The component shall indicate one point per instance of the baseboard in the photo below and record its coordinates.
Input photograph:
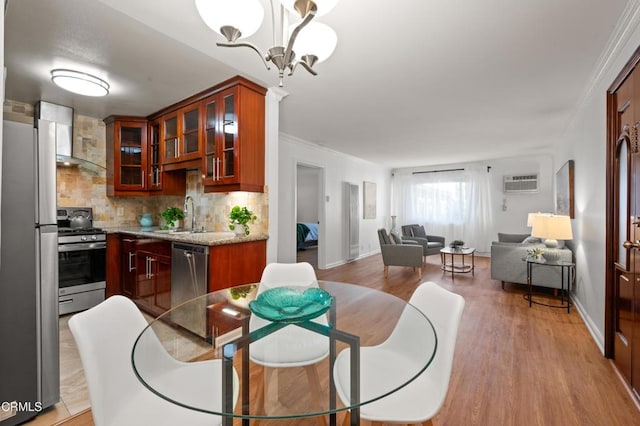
(344, 262)
(591, 326)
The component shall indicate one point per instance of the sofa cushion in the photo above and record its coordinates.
(531, 240)
(511, 238)
(418, 231)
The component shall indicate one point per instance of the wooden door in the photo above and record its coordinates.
(623, 231)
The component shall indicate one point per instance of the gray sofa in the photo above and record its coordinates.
(507, 264)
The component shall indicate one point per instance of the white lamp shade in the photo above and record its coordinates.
(552, 227)
(79, 82)
(531, 217)
(315, 39)
(324, 6)
(244, 15)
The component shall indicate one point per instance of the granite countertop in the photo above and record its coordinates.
(204, 238)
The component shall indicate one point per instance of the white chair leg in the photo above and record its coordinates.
(314, 385)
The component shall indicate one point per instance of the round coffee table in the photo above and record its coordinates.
(457, 267)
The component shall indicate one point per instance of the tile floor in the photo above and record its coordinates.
(74, 396)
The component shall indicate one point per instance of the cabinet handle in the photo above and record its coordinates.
(151, 260)
(176, 147)
(131, 267)
(142, 173)
(218, 161)
(148, 267)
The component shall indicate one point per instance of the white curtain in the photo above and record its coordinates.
(452, 204)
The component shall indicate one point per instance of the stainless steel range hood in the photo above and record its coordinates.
(63, 117)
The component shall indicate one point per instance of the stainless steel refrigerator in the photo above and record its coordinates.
(29, 354)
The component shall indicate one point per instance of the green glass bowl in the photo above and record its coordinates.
(286, 304)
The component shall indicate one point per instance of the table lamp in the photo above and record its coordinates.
(531, 217)
(552, 228)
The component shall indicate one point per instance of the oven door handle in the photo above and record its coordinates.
(82, 246)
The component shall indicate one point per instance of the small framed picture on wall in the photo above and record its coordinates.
(369, 200)
(564, 190)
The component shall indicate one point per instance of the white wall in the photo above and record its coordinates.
(308, 194)
(513, 220)
(585, 143)
(338, 168)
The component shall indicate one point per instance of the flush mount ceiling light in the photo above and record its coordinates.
(237, 19)
(80, 82)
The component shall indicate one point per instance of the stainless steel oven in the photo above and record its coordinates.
(81, 260)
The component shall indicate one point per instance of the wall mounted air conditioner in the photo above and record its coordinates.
(515, 184)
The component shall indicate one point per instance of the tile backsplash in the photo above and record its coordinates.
(79, 186)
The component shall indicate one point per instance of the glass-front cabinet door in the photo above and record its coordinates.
(210, 163)
(170, 138)
(132, 162)
(228, 156)
(190, 146)
(220, 159)
(155, 161)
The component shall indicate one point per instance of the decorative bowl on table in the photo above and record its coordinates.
(290, 304)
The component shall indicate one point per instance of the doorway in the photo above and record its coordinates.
(622, 309)
(309, 214)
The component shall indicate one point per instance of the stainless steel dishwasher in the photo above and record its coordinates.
(189, 267)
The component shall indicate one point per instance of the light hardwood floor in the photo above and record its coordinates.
(514, 365)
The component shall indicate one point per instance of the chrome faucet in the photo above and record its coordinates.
(194, 220)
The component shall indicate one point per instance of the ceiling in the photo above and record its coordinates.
(412, 82)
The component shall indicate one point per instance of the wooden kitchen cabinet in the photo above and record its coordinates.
(133, 159)
(153, 275)
(140, 268)
(128, 267)
(236, 264)
(181, 136)
(126, 155)
(233, 133)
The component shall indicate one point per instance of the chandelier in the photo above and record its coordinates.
(237, 19)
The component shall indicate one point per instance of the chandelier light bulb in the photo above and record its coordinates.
(243, 15)
(316, 39)
(79, 82)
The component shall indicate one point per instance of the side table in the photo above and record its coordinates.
(452, 266)
(568, 276)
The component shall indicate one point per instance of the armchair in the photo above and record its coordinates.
(409, 254)
(431, 244)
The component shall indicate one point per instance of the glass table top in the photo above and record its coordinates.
(461, 250)
(196, 334)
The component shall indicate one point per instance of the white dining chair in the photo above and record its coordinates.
(105, 335)
(291, 346)
(420, 400)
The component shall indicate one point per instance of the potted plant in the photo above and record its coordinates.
(240, 217)
(171, 216)
(535, 253)
(456, 244)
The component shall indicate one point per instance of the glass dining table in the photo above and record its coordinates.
(216, 326)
